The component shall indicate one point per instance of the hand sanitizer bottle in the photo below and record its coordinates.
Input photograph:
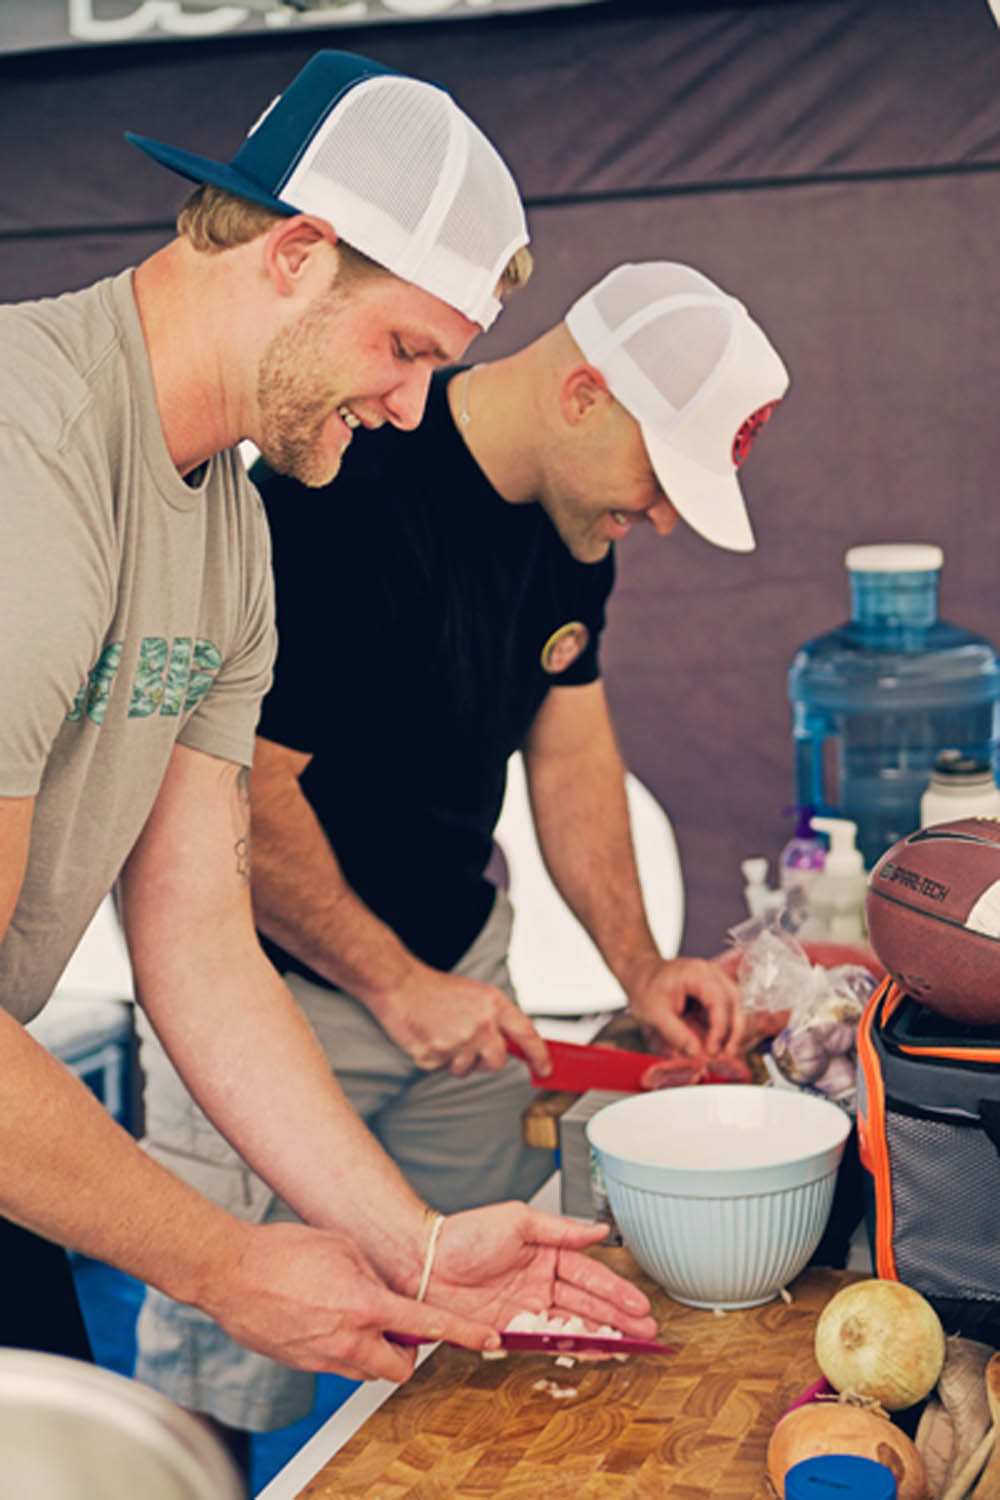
(804, 855)
(837, 895)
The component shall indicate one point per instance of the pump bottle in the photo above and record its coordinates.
(837, 895)
(803, 856)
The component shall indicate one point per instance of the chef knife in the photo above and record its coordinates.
(558, 1343)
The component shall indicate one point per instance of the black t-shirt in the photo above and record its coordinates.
(414, 608)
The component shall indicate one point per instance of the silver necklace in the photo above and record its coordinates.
(464, 416)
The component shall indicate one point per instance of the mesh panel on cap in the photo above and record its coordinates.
(621, 295)
(388, 147)
(483, 224)
(679, 364)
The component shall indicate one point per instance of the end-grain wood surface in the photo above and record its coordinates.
(689, 1426)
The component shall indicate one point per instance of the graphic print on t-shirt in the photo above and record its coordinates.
(168, 681)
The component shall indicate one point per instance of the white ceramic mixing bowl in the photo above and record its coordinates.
(721, 1191)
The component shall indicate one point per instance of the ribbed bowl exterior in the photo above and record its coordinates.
(722, 1252)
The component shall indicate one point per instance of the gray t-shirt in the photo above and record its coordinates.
(137, 611)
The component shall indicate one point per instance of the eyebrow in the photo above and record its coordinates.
(425, 350)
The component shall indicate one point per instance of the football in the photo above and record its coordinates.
(933, 909)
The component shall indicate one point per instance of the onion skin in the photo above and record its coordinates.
(881, 1340)
(830, 1427)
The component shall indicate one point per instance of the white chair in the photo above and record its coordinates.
(555, 967)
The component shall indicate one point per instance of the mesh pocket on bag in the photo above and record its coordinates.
(946, 1205)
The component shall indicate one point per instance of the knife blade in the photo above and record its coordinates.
(557, 1343)
(577, 1068)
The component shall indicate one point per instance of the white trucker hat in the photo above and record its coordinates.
(688, 362)
(392, 163)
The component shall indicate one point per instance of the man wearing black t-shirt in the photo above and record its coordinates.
(438, 608)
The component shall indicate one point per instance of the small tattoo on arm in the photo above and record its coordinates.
(241, 823)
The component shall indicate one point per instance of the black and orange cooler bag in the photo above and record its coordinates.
(929, 1139)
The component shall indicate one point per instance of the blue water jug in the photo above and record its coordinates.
(876, 700)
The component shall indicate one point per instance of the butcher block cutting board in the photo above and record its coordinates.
(690, 1426)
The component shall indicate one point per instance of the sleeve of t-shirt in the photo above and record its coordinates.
(225, 720)
(57, 588)
(593, 584)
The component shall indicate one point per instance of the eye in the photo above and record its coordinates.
(402, 351)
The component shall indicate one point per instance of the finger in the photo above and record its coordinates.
(373, 1359)
(678, 1035)
(559, 1233)
(727, 1023)
(493, 1054)
(515, 1024)
(590, 1278)
(572, 1299)
(463, 1062)
(430, 1324)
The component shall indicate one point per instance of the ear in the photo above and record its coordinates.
(583, 394)
(296, 250)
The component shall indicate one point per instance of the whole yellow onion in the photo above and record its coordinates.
(828, 1427)
(882, 1340)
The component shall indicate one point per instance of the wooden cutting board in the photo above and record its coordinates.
(692, 1426)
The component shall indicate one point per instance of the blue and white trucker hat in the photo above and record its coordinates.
(392, 163)
(701, 378)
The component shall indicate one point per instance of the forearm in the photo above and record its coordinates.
(581, 818)
(72, 1174)
(304, 904)
(252, 1062)
(302, 901)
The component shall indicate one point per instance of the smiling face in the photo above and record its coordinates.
(360, 354)
(603, 485)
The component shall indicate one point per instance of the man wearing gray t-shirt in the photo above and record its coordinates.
(312, 290)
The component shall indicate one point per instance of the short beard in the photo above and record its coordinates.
(292, 412)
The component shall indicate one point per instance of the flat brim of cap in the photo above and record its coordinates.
(711, 504)
(203, 169)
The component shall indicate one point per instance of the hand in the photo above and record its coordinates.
(690, 1005)
(498, 1261)
(310, 1299)
(444, 1021)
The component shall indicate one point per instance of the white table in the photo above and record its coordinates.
(356, 1410)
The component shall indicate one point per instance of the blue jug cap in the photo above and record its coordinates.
(839, 1476)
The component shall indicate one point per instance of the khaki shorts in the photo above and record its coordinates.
(457, 1140)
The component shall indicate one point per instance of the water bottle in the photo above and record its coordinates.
(960, 787)
(876, 700)
(832, 1474)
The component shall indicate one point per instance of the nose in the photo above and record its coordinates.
(662, 517)
(405, 403)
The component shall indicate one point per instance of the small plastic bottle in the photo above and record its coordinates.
(837, 895)
(842, 1474)
(961, 786)
(756, 890)
(803, 856)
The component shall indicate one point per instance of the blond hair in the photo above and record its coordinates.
(212, 220)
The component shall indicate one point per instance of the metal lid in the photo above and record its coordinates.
(70, 1431)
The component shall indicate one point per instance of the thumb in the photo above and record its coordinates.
(563, 1234)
